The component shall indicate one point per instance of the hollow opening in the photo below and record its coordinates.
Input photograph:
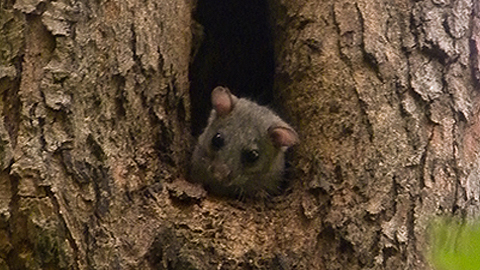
(236, 51)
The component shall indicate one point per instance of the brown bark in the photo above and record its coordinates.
(384, 93)
(94, 102)
(94, 137)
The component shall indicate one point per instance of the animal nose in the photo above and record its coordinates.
(220, 171)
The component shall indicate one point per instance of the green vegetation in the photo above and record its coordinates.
(455, 245)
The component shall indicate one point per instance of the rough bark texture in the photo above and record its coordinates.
(386, 94)
(94, 102)
(94, 136)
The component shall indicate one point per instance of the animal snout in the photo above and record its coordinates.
(220, 171)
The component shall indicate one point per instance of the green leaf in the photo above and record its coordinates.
(455, 245)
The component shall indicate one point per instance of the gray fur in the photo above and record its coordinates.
(247, 126)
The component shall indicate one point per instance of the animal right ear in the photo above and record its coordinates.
(282, 135)
(222, 100)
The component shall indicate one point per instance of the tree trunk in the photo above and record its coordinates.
(386, 94)
(94, 117)
(95, 132)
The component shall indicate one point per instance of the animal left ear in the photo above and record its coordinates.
(223, 100)
(282, 135)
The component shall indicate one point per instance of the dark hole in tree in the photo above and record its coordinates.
(236, 52)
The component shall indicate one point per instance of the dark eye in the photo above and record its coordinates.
(217, 141)
(250, 156)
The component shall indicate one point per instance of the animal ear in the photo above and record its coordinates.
(282, 135)
(222, 100)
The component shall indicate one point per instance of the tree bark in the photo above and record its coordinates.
(95, 136)
(386, 94)
(94, 116)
